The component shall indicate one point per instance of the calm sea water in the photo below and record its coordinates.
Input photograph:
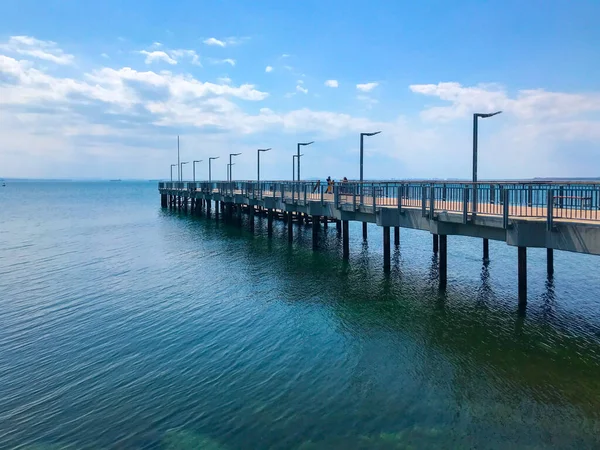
(127, 326)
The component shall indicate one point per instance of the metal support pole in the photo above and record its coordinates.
(315, 232)
(338, 225)
(251, 216)
(396, 236)
(364, 228)
(435, 243)
(550, 261)
(486, 249)
(386, 249)
(474, 163)
(290, 228)
(345, 239)
(443, 262)
(522, 269)
(270, 222)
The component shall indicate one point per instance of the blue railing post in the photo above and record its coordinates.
(465, 200)
(431, 201)
(550, 210)
(506, 207)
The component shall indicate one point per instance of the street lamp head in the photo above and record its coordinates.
(198, 160)
(264, 149)
(173, 165)
(234, 154)
(306, 143)
(214, 157)
(370, 134)
(486, 115)
(184, 162)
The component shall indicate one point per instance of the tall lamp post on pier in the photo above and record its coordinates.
(181, 168)
(362, 136)
(209, 172)
(301, 144)
(194, 168)
(294, 165)
(258, 162)
(172, 165)
(231, 164)
(477, 116)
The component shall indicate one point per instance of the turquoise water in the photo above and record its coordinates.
(128, 326)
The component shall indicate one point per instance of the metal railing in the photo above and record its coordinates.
(576, 201)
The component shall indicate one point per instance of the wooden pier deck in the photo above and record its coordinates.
(552, 215)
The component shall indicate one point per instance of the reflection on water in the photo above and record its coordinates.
(127, 326)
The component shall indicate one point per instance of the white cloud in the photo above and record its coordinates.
(156, 44)
(104, 55)
(529, 104)
(285, 55)
(367, 87)
(156, 56)
(191, 54)
(331, 83)
(29, 46)
(225, 42)
(268, 69)
(224, 80)
(229, 61)
(299, 81)
(301, 89)
(214, 41)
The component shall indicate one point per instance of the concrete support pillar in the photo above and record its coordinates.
(386, 249)
(163, 200)
(325, 222)
(217, 208)
(239, 214)
(550, 261)
(396, 236)
(345, 239)
(290, 227)
(486, 249)
(315, 231)
(435, 243)
(208, 207)
(443, 263)
(522, 269)
(338, 225)
(364, 228)
(270, 222)
(251, 217)
(286, 217)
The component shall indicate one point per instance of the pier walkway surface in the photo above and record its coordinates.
(556, 215)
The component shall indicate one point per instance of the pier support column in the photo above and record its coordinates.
(239, 214)
(286, 217)
(338, 226)
(396, 236)
(522, 265)
(345, 239)
(325, 222)
(386, 249)
(364, 228)
(486, 249)
(163, 200)
(251, 216)
(208, 207)
(435, 243)
(290, 227)
(443, 263)
(315, 232)
(550, 261)
(217, 209)
(270, 222)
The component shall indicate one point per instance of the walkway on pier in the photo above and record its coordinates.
(551, 215)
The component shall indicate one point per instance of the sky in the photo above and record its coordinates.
(103, 89)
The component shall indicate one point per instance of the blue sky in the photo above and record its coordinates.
(101, 89)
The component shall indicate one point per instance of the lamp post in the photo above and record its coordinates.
(258, 162)
(209, 172)
(477, 116)
(362, 136)
(231, 164)
(194, 168)
(181, 168)
(299, 155)
(172, 165)
(178, 166)
(294, 165)
(229, 169)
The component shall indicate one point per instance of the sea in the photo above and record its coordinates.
(124, 325)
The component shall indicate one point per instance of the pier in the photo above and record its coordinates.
(552, 215)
